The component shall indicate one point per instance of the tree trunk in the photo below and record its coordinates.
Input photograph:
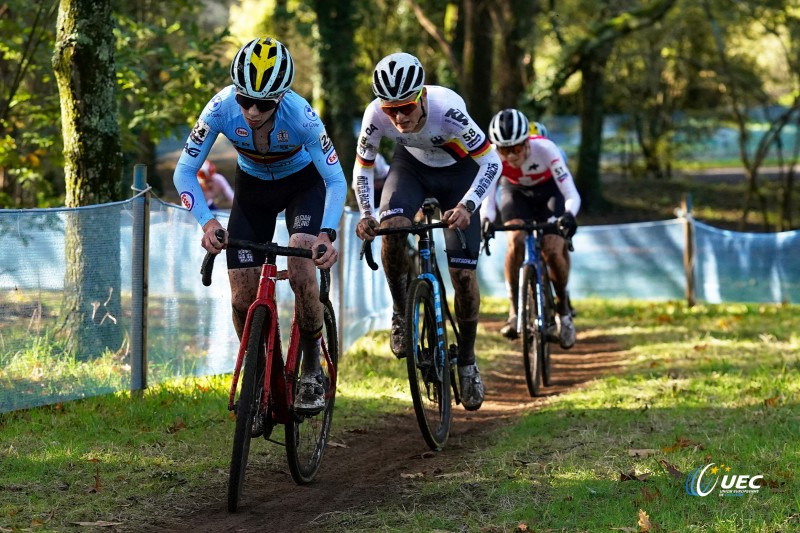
(477, 62)
(83, 62)
(336, 50)
(592, 112)
(513, 23)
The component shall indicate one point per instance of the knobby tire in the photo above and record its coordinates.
(550, 321)
(428, 369)
(532, 336)
(246, 407)
(306, 436)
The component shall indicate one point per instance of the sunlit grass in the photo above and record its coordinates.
(696, 390)
(704, 384)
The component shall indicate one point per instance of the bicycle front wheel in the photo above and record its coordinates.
(532, 338)
(549, 317)
(247, 405)
(428, 366)
(306, 435)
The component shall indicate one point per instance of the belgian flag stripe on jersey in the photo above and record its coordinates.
(270, 157)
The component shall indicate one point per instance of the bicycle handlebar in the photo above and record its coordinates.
(416, 229)
(527, 226)
(269, 248)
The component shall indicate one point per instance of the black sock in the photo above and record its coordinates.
(467, 330)
(309, 344)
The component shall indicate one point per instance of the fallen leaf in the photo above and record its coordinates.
(452, 474)
(101, 523)
(681, 443)
(177, 425)
(522, 527)
(633, 476)
(337, 444)
(674, 472)
(360, 431)
(428, 455)
(772, 402)
(649, 496)
(416, 475)
(644, 452)
(700, 347)
(644, 522)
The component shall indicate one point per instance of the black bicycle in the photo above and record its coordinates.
(431, 362)
(537, 308)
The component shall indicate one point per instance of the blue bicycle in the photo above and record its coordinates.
(537, 309)
(431, 362)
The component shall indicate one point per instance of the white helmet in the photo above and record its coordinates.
(397, 76)
(508, 127)
(262, 69)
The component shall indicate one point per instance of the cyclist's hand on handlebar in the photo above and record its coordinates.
(487, 229)
(329, 257)
(458, 217)
(568, 224)
(366, 228)
(210, 242)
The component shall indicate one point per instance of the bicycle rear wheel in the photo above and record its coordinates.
(532, 336)
(428, 366)
(306, 435)
(247, 405)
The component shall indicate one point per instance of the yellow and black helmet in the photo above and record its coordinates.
(263, 68)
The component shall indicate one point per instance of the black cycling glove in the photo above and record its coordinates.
(568, 224)
(487, 229)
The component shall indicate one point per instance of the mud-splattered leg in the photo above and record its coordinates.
(467, 306)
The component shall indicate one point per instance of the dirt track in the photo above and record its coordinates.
(368, 470)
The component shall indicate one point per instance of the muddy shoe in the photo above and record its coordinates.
(509, 329)
(471, 387)
(398, 338)
(310, 398)
(257, 429)
(566, 334)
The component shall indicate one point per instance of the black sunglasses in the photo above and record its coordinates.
(262, 105)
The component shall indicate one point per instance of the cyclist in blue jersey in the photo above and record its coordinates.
(286, 162)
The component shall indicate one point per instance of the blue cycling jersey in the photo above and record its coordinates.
(297, 138)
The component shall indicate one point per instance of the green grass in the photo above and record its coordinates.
(716, 383)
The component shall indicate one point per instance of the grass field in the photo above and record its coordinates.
(710, 384)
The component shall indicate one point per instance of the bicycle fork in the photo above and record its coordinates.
(264, 298)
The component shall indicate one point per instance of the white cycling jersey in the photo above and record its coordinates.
(448, 135)
(545, 162)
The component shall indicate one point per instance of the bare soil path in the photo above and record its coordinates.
(368, 471)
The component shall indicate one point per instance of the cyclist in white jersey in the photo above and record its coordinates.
(440, 152)
(286, 162)
(536, 185)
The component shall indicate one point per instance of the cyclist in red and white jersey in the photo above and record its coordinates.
(286, 162)
(440, 152)
(536, 185)
(214, 185)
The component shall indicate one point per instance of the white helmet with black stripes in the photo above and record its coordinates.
(397, 77)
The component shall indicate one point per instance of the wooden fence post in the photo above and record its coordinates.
(688, 247)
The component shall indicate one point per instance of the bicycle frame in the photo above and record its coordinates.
(428, 272)
(533, 257)
(284, 374)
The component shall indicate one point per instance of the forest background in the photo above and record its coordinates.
(119, 79)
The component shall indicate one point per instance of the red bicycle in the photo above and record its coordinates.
(268, 385)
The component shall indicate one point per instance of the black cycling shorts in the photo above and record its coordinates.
(537, 203)
(410, 182)
(257, 203)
